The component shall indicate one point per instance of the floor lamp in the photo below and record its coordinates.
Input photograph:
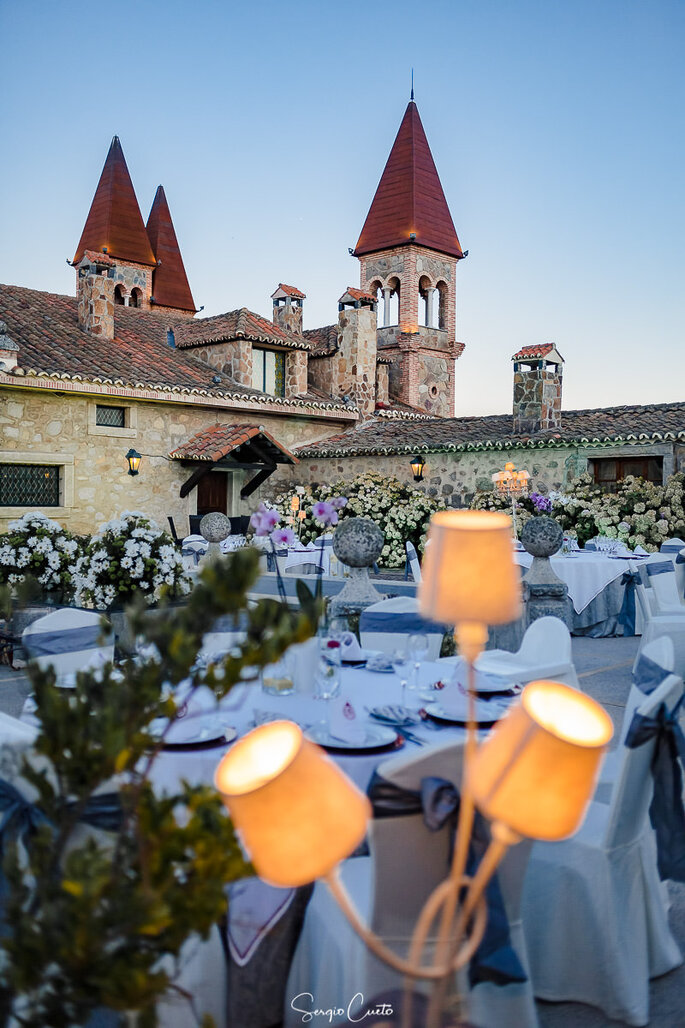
(298, 815)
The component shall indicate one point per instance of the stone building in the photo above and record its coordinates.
(215, 405)
(461, 454)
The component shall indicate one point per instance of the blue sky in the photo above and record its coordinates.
(556, 127)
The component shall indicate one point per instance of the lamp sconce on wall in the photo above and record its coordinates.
(134, 459)
(417, 465)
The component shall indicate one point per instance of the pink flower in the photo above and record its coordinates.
(324, 513)
(263, 521)
(338, 502)
(283, 537)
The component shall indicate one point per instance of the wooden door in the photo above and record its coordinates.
(212, 492)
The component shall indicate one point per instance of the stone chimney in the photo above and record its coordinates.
(95, 294)
(355, 361)
(537, 389)
(9, 350)
(288, 308)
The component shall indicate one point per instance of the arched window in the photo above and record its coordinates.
(424, 302)
(441, 306)
(376, 290)
(136, 298)
(394, 305)
(119, 295)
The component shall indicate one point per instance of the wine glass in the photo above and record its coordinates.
(401, 662)
(327, 684)
(417, 645)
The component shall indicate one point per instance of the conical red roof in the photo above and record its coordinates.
(169, 281)
(114, 220)
(409, 198)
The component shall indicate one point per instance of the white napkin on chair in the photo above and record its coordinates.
(640, 551)
(344, 722)
(350, 648)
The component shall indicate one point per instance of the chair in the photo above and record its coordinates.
(389, 889)
(659, 652)
(545, 652)
(672, 546)
(660, 617)
(387, 625)
(194, 523)
(240, 524)
(193, 548)
(413, 561)
(69, 640)
(661, 576)
(594, 915)
(172, 529)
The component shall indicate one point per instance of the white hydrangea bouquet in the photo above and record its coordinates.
(129, 555)
(39, 548)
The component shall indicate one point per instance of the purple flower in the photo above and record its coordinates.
(338, 502)
(263, 521)
(325, 513)
(283, 537)
(542, 504)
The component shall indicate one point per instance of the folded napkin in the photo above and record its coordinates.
(202, 701)
(254, 908)
(350, 648)
(640, 551)
(344, 722)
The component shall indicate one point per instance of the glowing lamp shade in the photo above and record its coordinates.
(133, 458)
(536, 772)
(468, 573)
(297, 814)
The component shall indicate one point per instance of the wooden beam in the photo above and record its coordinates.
(255, 482)
(191, 482)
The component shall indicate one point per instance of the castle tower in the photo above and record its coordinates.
(408, 251)
(170, 289)
(114, 226)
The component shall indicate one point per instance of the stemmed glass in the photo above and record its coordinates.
(401, 662)
(327, 685)
(417, 645)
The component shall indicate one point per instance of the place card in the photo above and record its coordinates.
(344, 721)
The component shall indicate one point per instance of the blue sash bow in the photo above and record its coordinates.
(648, 674)
(660, 567)
(397, 621)
(666, 811)
(626, 616)
(438, 801)
(49, 644)
(672, 546)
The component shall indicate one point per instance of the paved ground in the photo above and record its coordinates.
(604, 667)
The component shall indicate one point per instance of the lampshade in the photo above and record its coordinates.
(298, 815)
(536, 771)
(133, 458)
(468, 573)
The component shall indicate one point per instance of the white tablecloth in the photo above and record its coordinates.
(586, 575)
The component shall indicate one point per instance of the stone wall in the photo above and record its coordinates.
(295, 373)
(351, 371)
(96, 305)
(134, 276)
(288, 316)
(45, 428)
(409, 264)
(537, 399)
(232, 359)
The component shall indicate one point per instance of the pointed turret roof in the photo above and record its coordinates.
(114, 221)
(409, 199)
(169, 281)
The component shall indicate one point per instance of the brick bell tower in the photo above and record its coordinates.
(408, 251)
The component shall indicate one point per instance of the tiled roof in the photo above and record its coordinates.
(240, 324)
(217, 442)
(323, 341)
(99, 258)
(651, 423)
(532, 352)
(169, 281)
(409, 198)
(53, 345)
(292, 291)
(114, 220)
(357, 294)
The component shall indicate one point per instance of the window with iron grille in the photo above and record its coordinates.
(29, 485)
(112, 417)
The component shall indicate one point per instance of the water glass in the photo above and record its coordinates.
(401, 662)
(327, 684)
(278, 679)
(417, 645)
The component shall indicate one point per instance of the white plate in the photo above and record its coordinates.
(487, 711)
(485, 681)
(381, 664)
(375, 735)
(202, 728)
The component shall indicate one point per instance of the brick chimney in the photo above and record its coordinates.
(288, 308)
(537, 389)
(95, 294)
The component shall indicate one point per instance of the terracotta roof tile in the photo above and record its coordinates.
(292, 291)
(357, 294)
(114, 220)
(663, 421)
(409, 198)
(534, 351)
(212, 444)
(169, 281)
(99, 258)
(323, 341)
(240, 324)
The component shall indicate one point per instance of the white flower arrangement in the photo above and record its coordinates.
(401, 511)
(35, 546)
(129, 555)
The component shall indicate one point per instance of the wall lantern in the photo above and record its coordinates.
(133, 458)
(417, 466)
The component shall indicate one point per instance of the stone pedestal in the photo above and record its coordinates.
(544, 592)
(357, 543)
(214, 527)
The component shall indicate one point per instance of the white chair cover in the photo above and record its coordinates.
(594, 916)
(661, 578)
(331, 962)
(659, 617)
(68, 640)
(387, 625)
(413, 559)
(545, 652)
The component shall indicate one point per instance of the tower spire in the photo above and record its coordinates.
(169, 281)
(412, 85)
(114, 223)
